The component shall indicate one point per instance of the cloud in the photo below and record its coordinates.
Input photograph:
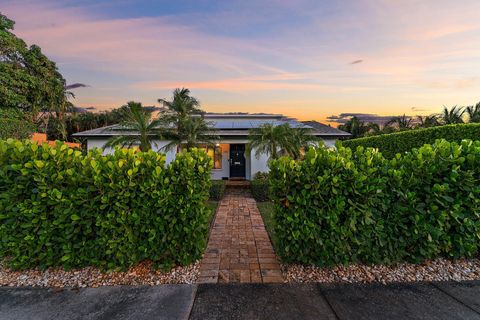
(238, 53)
(365, 117)
(260, 83)
(75, 86)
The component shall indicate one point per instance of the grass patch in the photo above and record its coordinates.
(266, 210)
(212, 207)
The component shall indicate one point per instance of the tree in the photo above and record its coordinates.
(473, 113)
(269, 139)
(354, 126)
(454, 115)
(29, 80)
(184, 121)
(299, 138)
(140, 129)
(400, 123)
(428, 121)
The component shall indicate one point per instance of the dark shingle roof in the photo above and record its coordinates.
(324, 129)
(231, 124)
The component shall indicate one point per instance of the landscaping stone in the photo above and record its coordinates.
(142, 302)
(260, 301)
(239, 249)
(394, 301)
(431, 270)
(141, 274)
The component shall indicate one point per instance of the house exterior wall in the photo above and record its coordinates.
(329, 143)
(157, 146)
(252, 163)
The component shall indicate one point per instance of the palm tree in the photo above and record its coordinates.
(180, 108)
(195, 131)
(473, 113)
(427, 121)
(454, 115)
(184, 121)
(401, 123)
(354, 126)
(270, 139)
(142, 130)
(299, 138)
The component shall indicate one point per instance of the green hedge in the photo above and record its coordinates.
(13, 128)
(259, 187)
(344, 206)
(59, 207)
(400, 142)
(217, 190)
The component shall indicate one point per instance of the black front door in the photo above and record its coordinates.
(237, 161)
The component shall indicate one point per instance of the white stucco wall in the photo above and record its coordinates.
(259, 164)
(157, 145)
(252, 163)
(329, 143)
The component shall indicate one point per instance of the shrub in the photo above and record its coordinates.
(259, 186)
(344, 206)
(400, 142)
(217, 190)
(59, 207)
(13, 128)
(14, 124)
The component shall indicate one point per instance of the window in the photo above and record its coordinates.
(216, 154)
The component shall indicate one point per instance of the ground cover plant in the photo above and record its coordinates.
(59, 207)
(217, 190)
(259, 186)
(355, 206)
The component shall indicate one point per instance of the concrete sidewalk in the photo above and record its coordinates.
(247, 301)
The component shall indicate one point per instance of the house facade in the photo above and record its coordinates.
(231, 161)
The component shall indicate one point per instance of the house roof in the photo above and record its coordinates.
(323, 128)
(231, 124)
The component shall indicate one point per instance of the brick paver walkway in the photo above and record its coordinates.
(239, 249)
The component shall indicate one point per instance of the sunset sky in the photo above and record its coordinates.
(307, 59)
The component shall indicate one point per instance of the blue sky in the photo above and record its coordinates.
(291, 57)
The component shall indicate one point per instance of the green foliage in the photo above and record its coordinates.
(29, 80)
(391, 144)
(344, 206)
(13, 128)
(217, 190)
(77, 122)
(186, 127)
(14, 124)
(143, 131)
(59, 207)
(260, 187)
(271, 139)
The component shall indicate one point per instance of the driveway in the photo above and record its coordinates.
(247, 301)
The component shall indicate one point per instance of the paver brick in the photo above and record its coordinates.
(239, 249)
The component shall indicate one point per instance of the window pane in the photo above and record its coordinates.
(217, 161)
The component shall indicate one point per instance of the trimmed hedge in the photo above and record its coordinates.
(14, 128)
(400, 142)
(217, 190)
(344, 206)
(259, 187)
(59, 207)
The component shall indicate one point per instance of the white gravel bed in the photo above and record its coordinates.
(141, 274)
(432, 270)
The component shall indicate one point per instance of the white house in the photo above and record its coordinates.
(230, 159)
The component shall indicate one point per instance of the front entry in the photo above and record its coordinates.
(237, 161)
